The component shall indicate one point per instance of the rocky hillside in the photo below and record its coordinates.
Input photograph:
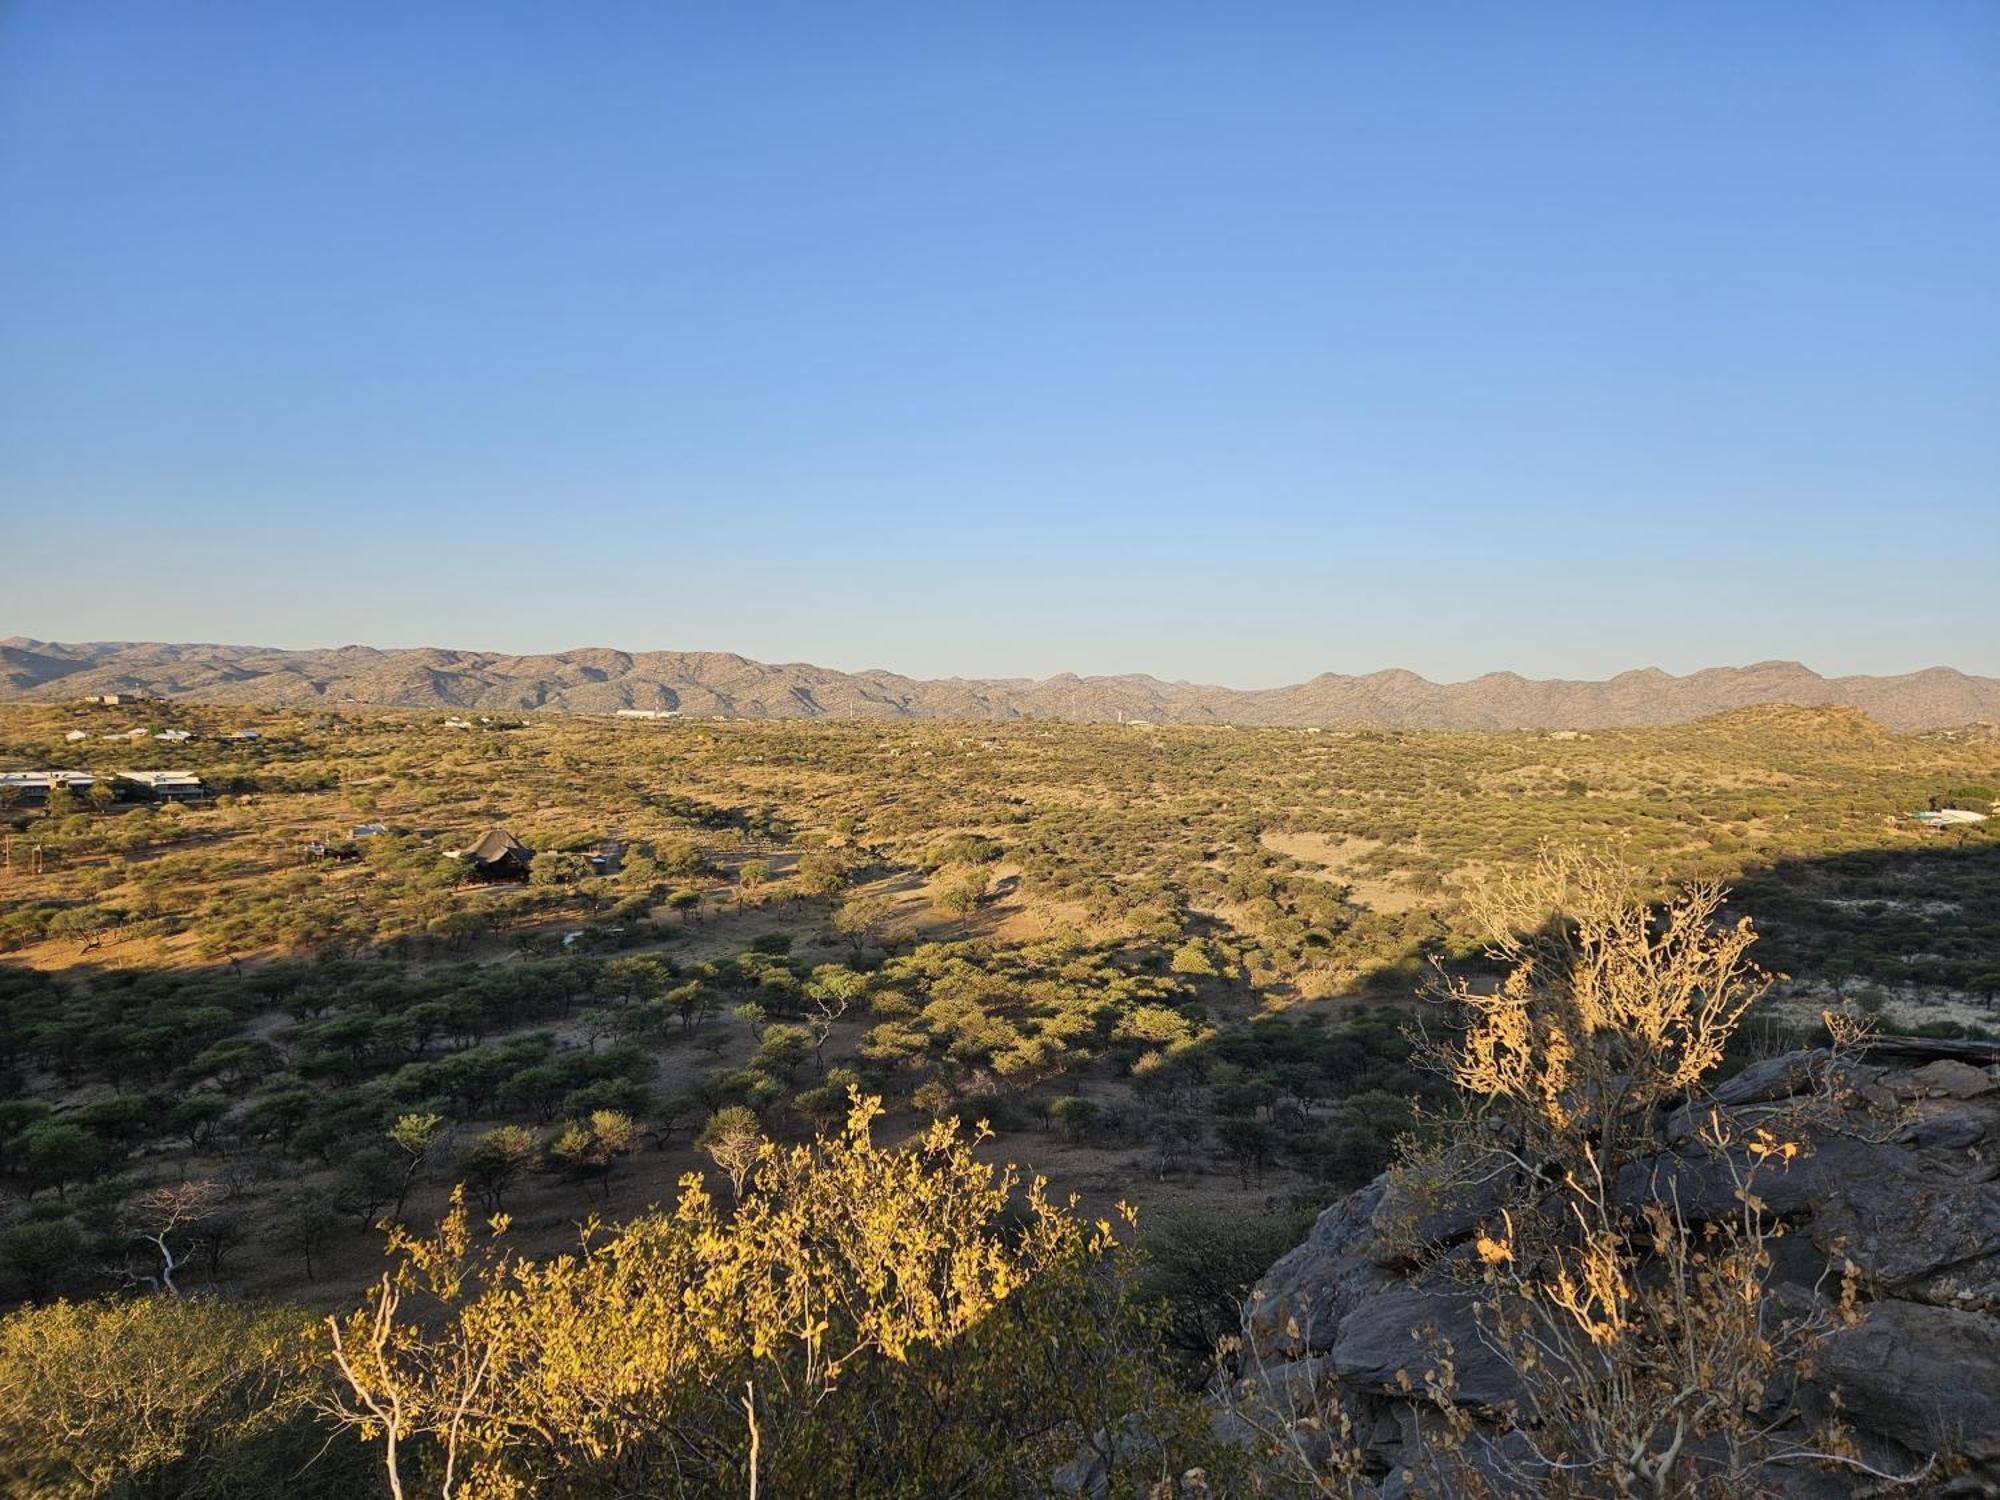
(1902, 1183)
(705, 683)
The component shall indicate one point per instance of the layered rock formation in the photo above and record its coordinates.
(1901, 1182)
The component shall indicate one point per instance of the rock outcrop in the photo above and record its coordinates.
(1901, 1182)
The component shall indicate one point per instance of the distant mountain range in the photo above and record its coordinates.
(706, 682)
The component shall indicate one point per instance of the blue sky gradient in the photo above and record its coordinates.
(1226, 343)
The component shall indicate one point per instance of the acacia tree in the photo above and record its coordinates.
(165, 1215)
(831, 990)
(494, 1159)
(733, 1140)
(415, 1135)
(592, 1148)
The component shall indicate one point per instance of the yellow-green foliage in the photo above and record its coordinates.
(159, 1396)
(868, 1322)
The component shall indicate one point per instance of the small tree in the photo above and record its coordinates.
(165, 1219)
(823, 872)
(494, 1159)
(414, 1135)
(558, 867)
(301, 1228)
(960, 896)
(593, 1147)
(733, 1140)
(832, 989)
(369, 1179)
(1073, 1115)
(782, 1051)
(56, 1153)
(860, 919)
(42, 1253)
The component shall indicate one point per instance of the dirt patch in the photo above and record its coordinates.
(1341, 858)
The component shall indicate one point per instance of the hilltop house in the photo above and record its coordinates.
(497, 855)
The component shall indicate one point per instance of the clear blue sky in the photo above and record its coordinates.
(1229, 342)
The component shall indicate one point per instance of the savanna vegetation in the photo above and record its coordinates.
(690, 1144)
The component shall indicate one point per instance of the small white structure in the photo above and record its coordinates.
(76, 736)
(125, 734)
(1949, 817)
(647, 713)
(458, 723)
(175, 736)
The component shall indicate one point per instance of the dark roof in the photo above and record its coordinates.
(495, 845)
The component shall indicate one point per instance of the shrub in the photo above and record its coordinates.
(164, 1396)
(810, 1340)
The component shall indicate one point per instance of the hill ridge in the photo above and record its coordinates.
(603, 679)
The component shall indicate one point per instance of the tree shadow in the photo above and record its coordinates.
(1925, 917)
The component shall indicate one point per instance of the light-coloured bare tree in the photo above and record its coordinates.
(163, 1216)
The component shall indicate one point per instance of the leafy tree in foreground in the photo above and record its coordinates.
(868, 1322)
(195, 1398)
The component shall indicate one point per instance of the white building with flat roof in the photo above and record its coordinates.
(35, 786)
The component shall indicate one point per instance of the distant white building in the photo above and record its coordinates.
(648, 713)
(175, 736)
(1950, 817)
(75, 736)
